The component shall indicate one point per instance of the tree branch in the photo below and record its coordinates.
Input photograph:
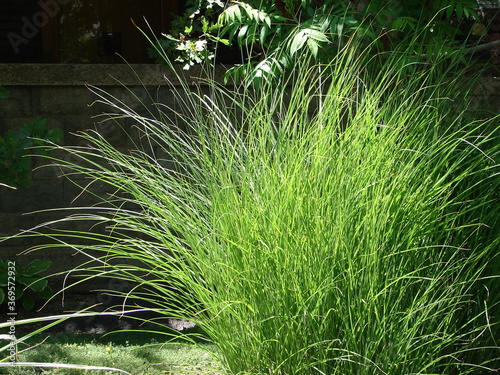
(483, 47)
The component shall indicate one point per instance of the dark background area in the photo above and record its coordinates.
(81, 31)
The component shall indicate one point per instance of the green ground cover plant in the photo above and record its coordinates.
(344, 221)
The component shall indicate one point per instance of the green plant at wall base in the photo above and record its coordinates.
(15, 148)
(26, 281)
(15, 170)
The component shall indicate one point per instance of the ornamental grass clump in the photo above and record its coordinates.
(343, 221)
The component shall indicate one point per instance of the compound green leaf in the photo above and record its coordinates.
(313, 46)
(242, 33)
(264, 32)
(317, 35)
(449, 11)
(459, 9)
(298, 41)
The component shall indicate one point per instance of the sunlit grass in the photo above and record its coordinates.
(139, 353)
(346, 225)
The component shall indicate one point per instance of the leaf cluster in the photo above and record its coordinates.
(192, 38)
(15, 148)
(271, 33)
(25, 281)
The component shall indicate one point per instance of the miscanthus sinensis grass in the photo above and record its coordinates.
(342, 221)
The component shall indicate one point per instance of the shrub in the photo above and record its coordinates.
(345, 225)
(268, 35)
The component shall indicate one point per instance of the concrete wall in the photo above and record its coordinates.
(59, 94)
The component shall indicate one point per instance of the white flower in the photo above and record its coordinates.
(200, 45)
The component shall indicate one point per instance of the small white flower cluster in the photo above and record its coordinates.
(194, 52)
